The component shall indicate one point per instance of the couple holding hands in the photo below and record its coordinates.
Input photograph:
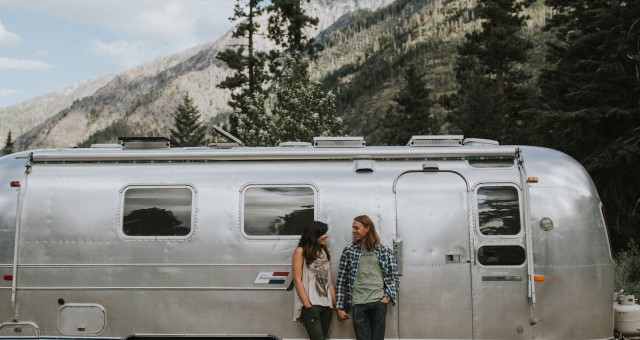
(367, 281)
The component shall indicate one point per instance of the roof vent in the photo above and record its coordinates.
(478, 141)
(339, 142)
(106, 146)
(294, 144)
(444, 140)
(144, 142)
(231, 140)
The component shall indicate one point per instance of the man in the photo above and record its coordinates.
(367, 281)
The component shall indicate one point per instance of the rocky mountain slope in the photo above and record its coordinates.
(140, 101)
(367, 44)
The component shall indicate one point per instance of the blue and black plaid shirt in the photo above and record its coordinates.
(349, 268)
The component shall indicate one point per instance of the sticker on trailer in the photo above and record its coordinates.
(272, 277)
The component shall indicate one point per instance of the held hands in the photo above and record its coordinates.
(342, 315)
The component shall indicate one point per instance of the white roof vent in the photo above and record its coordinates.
(339, 142)
(444, 140)
(478, 141)
(294, 144)
(106, 146)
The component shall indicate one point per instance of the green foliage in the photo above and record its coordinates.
(489, 72)
(627, 269)
(411, 116)
(248, 65)
(302, 109)
(287, 27)
(188, 130)
(591, 101)
(255, 126)
(8, 145)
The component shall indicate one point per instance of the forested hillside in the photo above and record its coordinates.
(556, 73)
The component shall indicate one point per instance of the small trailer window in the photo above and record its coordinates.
(498, 210)
(277, 210)
(501, 255)
(157, 211)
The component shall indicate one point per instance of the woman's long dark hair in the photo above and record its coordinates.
(310, 247)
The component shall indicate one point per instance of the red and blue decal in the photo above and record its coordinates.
(272, 278)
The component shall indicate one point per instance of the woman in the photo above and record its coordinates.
(315, 293)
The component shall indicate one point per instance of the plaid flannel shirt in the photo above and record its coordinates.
(349, 268)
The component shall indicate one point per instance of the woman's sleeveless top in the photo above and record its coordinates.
(316, 282)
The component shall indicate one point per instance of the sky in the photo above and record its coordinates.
(49, 44)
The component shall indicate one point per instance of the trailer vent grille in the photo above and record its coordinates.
(339, 142)
(144, 142)
(444, 140)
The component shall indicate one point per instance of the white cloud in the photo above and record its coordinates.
(141, 30)
(8, 38)
(177, 23)
(22, 64)
(7, 93)
(122, 54)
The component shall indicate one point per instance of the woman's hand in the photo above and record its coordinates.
(385, 300)
(342, 315)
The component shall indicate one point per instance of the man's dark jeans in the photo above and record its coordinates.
(316, 320)
(369, 320)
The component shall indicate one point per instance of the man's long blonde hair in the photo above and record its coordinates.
(371, 238)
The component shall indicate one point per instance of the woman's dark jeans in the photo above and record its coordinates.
(316, 320)
(369, 320)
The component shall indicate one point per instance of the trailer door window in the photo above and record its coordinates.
(277, 210)
(501, 255)
(157, 211)
(498, 210)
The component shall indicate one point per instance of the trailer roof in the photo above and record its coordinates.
(119, 154)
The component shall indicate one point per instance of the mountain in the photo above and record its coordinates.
(367, 44)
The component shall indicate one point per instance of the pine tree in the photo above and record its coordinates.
(302, 108)
(248, 65)
(591, 106)
(287, 27)
(495, 53)
(411, 115)
(8, 145)
(188, 130)
(255, 127)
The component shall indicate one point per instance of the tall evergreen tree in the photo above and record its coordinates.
(287, 27)
(302, 108)
(8, 145)
(188, 129)
(255, 127)
(411, 114)
(248, 64)
(592, 100)
(496, 53)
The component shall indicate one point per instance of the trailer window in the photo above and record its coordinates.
(511, 255)
(277, 210)
(498, 210)
(157, 211)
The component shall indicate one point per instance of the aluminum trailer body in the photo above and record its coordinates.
(492, 241)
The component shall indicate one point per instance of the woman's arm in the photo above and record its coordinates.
(332, 287)
(297, 261)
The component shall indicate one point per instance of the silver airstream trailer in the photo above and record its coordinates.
(140, 240)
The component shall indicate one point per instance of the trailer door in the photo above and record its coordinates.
(499, 270)
(433, 256)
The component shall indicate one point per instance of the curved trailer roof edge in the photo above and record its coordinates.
(273, 153)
